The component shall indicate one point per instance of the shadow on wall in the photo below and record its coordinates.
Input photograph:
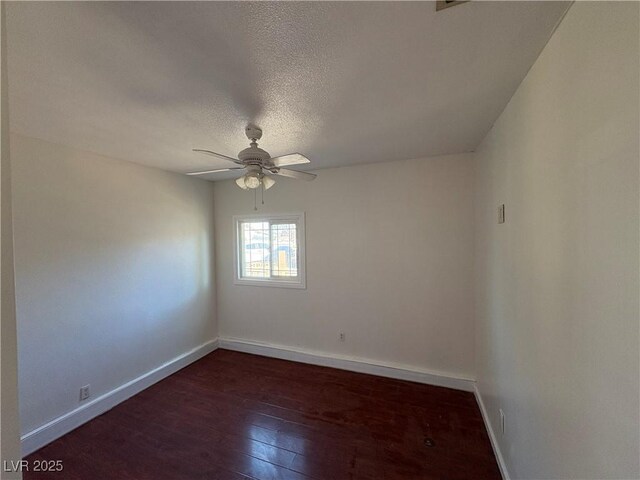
(108, 310)
(113, 273)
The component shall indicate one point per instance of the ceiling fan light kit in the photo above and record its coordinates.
(254, 178)
(259, 165)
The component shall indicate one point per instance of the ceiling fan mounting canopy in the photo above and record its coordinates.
(253, 133)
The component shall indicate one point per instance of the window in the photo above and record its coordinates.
(269, 250)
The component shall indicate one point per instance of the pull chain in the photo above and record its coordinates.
(255, 196)
(262, 192)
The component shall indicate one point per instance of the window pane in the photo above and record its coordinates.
(270, 250)
(255, 256)
(284, 252)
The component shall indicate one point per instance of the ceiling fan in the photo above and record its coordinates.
(259, 165)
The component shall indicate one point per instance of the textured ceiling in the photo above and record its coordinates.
(343, 83)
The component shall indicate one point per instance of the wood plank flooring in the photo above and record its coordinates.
(232, 416)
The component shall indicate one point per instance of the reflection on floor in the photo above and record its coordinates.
(237, 416)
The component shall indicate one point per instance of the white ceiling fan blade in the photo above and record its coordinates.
(218, 155)
(215, 171)
(295, 174)
(290, 159)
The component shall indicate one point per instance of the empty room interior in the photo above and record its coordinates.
(320, 240)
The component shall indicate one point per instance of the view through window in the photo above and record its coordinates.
(268, 249)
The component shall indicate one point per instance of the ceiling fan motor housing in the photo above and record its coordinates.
(254, 154)
(254, 170)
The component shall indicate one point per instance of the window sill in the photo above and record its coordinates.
(271, 283)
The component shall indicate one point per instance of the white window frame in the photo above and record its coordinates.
(301, 280)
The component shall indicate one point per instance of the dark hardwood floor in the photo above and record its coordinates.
(232, 416)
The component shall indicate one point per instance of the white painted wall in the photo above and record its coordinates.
(114, 272)
(9, 424)
(389, 262)
(557, 284)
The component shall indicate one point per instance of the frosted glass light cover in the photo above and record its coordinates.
(268, 182)
(240, 183)
(251, 181)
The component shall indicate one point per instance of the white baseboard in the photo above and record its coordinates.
(57, 427)
(494, 442)
(354, 364)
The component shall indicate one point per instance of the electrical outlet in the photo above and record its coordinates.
(84, 392)
(501, 213)
(502, 422)
(343, 337)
